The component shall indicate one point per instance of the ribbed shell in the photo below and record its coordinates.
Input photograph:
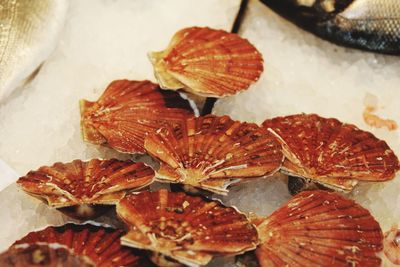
(44, 255)
(209, 152)
(93, 182)
(100, 244)
(318, 228)
(186, 228)
(127, 111)
(207, 62)
(333, 153)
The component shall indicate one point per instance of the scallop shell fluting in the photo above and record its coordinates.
(333, 153)
(211, 152)
(93, 182)
(186, 228)
(127, 111)
(100, 244)
(44, 255)
(318, 228)
(207, 62)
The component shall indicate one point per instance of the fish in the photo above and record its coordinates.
(29, 31)
(371, 25)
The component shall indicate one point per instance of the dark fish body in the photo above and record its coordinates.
(372, 25)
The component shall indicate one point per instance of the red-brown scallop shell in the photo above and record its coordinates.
(44, 255)
(210, 152)
(392, 245)
(186, 228)
(85, 189)
(330, 152)
(207, 62)
(101, 245)
(319, 228)
(127, 111)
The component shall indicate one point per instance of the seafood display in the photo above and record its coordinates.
(85, 190)
(186, 228)
(129, 110)
(171, 213)
(28, 34)
(213, 152)
(365, 24)
(207, 62)
(317, 228)
(330, 152)
(99, 244)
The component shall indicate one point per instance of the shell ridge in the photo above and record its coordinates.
(301, 229)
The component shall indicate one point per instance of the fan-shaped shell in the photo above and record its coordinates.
(209, 152)
(207, 62)
(33, 255)
(81, 184)
(333, 153)
(186, 228)
(127, 111)
(318, 228)
(100, 244)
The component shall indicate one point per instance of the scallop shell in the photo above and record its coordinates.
(82, 184)
(210, 152)
(127, 111)
(392, 245)
(331, 152)
(100, 244)
(318, 228)
(33, 255)
(207, 62)
(186, 228)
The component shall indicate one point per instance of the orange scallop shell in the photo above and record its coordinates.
(44, 255)
(330, 152)
(100, 244)
(186, 228)
(96, 182)
(127, 111)
(210, 152)
(207, 62)
(318, 228)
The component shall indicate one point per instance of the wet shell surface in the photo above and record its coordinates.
(186, 228)
(211, 152)
(330, 152)
(207, 62)
(318, 228)
(101, 245)
(392, 245)
(33, 255)
(83, 185)
(127, 111)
